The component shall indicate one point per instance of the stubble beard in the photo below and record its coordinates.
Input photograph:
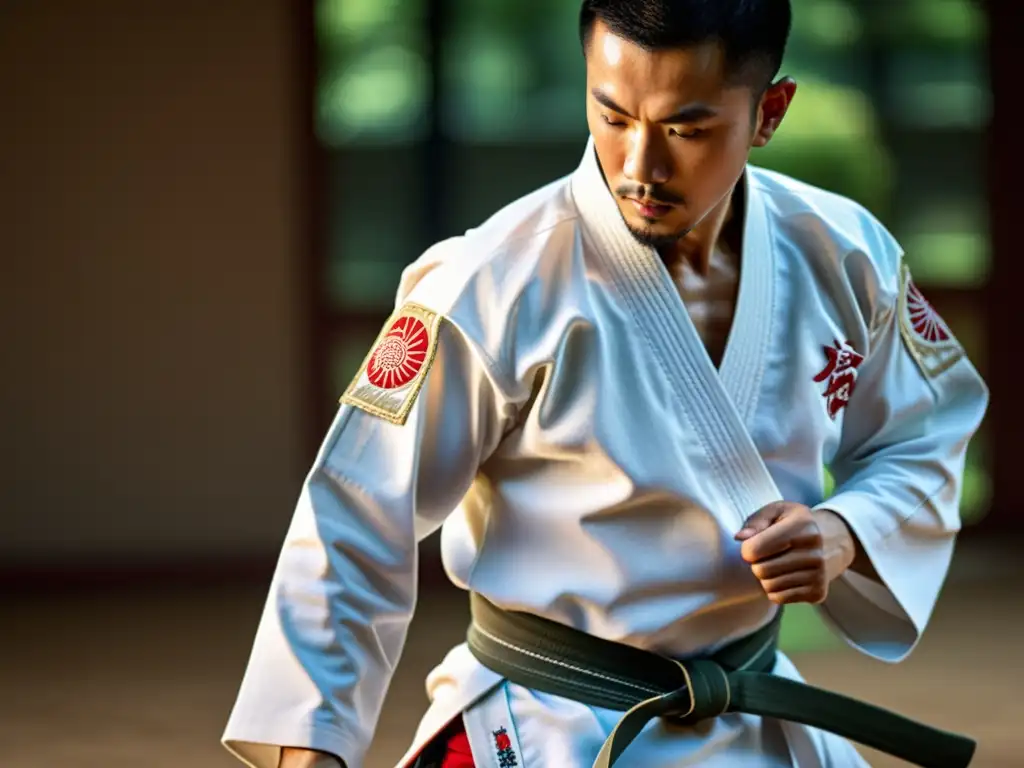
(648, 237)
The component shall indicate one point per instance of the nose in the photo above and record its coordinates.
(647, 161)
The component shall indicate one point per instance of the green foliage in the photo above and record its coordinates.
(348, 23)
(948, 23)
(826, 23)
(829, 484)
(949, 257)
(373, 79)
(948, 244)
(382, 94)
(804, 630)
(829, 139)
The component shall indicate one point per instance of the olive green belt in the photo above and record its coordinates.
(552, 658)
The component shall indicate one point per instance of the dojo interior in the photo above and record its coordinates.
(204, 210)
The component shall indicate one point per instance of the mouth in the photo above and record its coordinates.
(649, 209)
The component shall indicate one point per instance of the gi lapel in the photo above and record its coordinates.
(718, 405)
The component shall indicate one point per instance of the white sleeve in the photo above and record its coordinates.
(396, 461)
(899, 472)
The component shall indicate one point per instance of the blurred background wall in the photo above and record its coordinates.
(152, 195)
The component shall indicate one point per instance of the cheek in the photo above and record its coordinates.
(718, 160)
(611, 152)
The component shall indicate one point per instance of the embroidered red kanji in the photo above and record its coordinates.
(840, 372)
(503, 745)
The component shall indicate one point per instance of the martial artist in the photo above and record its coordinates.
(616, 398)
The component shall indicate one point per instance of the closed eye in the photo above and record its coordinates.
(692, 133)
(610, 121)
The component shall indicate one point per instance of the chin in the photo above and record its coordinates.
(656, 234)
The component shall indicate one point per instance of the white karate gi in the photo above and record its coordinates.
(545, 382)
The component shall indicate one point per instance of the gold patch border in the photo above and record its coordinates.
(918, 349)
(432, 321)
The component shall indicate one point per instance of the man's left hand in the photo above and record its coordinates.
(796, 552)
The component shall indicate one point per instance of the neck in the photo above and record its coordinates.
(723, 225)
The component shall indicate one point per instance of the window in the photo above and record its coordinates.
(509, 79)
(373, 82)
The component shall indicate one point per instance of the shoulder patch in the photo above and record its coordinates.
(392, 374)
(924, 332)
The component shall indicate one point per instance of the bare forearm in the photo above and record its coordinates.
(293, 757)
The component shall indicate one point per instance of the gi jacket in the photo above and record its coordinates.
(541, 393)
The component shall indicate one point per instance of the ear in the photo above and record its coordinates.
(773, 107)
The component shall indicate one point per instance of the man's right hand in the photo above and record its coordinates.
(293, 757)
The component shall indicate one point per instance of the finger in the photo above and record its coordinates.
(760, 520)
(774, 540)
(811, 595)
(809, 579)
(790, 561)
(788, 533)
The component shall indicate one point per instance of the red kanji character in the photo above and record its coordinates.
(502, 741)
(840, 372)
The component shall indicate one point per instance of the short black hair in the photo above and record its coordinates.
(753, 33)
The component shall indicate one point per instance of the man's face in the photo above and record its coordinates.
(671, 134)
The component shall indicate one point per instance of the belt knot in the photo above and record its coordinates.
(705, 694)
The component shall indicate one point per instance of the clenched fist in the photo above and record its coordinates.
(796, 552)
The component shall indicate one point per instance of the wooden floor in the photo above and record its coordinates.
(145, 680)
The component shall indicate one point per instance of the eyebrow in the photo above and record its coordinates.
(692, 113)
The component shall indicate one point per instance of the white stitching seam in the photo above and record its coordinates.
(558, 663)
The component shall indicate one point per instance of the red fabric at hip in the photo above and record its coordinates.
(458, 754)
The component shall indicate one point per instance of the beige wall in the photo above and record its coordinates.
(152, 379)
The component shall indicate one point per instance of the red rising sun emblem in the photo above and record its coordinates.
(923, 318)
(400, 355)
